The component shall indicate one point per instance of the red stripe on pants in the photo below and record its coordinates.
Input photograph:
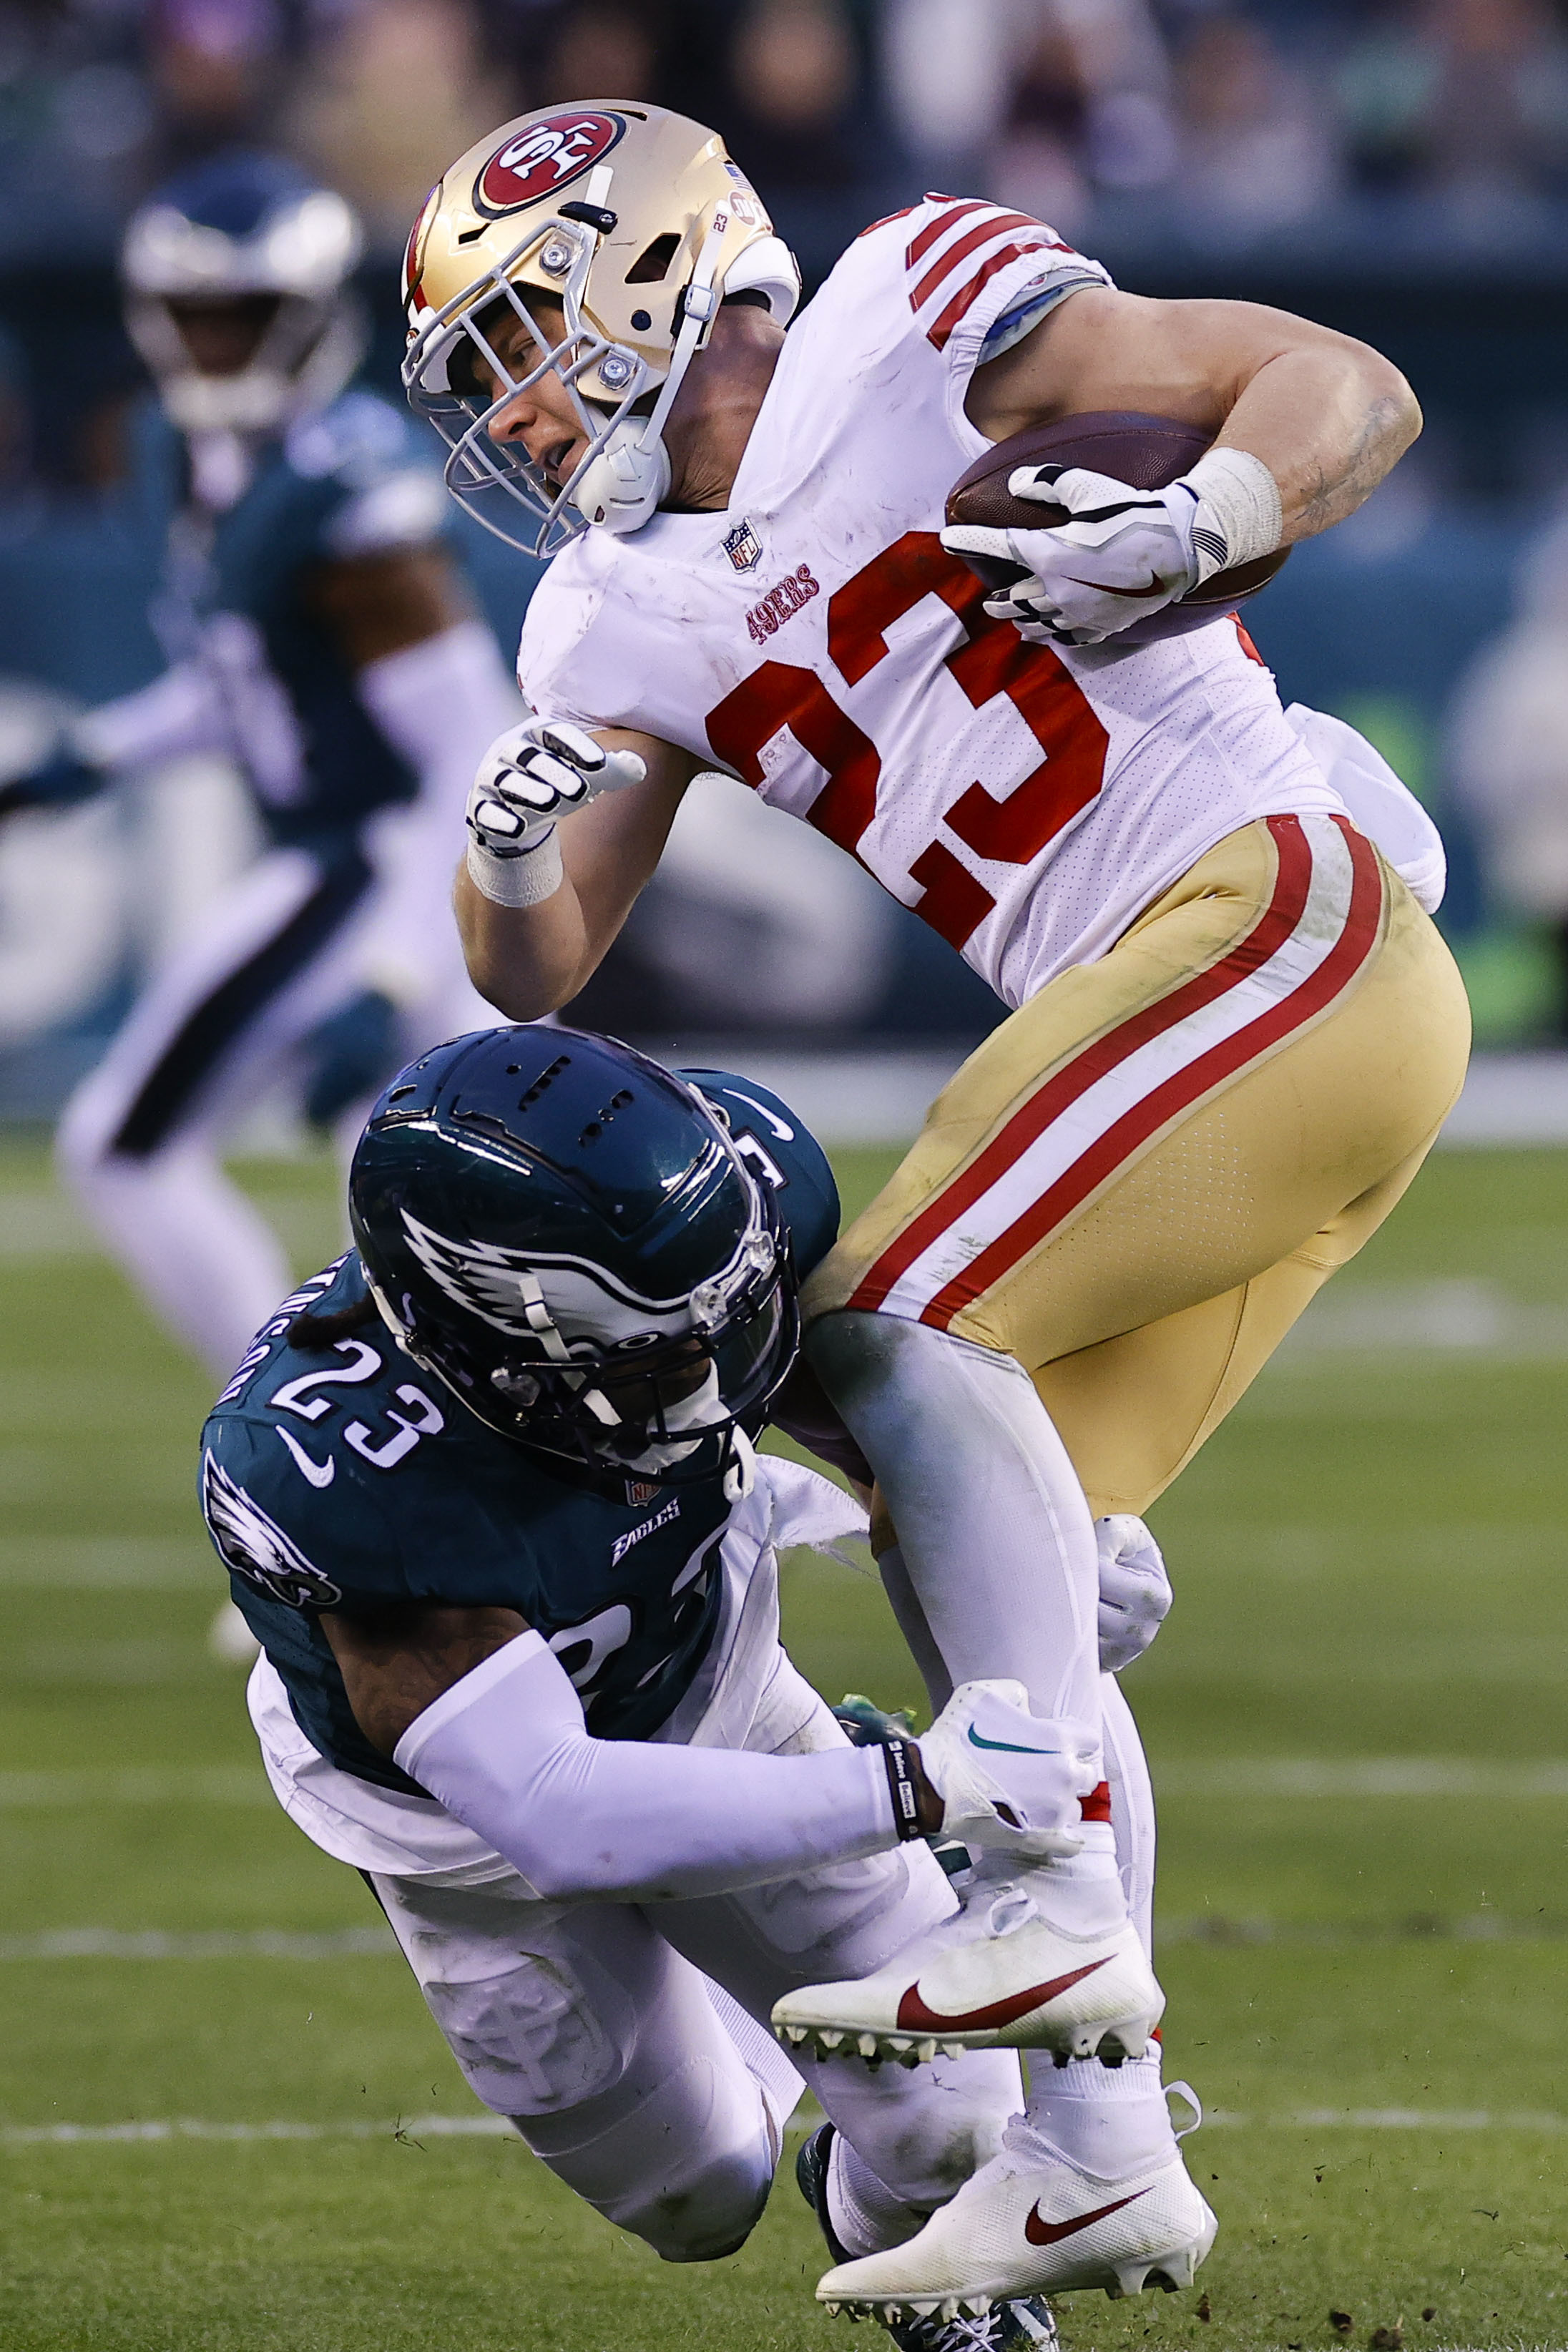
(1032, 1118)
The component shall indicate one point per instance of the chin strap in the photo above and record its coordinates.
(621, 487)
(741, 1475)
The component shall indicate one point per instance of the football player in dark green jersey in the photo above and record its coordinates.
(488, 1497)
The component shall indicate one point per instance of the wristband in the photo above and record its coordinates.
(522, 879)
(902, 1790)
(1239, 515)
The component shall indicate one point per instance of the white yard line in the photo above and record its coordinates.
(1437, 2120)
(480, 2126)
(107, 1564)
(1223, 1933)
(219, 1944)
(1357, 1776)
(205, 1784)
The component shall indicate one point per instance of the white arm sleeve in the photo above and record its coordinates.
(507, 1752)
(178, 713)
(440, 703)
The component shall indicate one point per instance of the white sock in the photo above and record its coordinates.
(765, 2060)
(865, 2215)
(994, 1526)
(1107, 2120)
(201, 1253)
(1132, 1807)
(913, 1625)
(1084, 1893)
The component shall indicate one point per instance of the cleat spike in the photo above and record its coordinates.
(867, 2045)
(953, 2049)
(796, 2033)
(925, 2051)
(829, 2038)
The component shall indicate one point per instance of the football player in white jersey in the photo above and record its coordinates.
(1234, 1030)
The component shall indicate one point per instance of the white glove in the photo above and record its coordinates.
(539, 771)
(1009, 1781)
(1135, 1593)
(1125, 552)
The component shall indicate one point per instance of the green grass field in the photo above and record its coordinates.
(1355, 1719)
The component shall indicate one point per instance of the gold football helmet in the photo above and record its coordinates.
(638, 226)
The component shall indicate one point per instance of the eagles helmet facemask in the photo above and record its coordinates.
(246, 228)
(562, 1232)
(637, 226)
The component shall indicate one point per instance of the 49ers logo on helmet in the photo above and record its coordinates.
(414, 256)
(538, 161)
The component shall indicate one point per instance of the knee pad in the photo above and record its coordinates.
(532, 2042)
(686, 2166)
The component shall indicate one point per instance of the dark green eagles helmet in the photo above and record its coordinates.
(563, 1231)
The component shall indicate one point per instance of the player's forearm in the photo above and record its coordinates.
(1329, 423)
(179, 713)
(507, 1752)
(536, 926)
(396, 1663)
(1328, 415)
(525, 961)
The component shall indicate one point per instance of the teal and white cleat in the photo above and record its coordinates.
(1003, 1973)
(1022, 2229)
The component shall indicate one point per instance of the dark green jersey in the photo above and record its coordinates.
(343, 1477)
(238, 595)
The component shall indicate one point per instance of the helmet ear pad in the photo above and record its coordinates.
(768, 267)
(623, 484)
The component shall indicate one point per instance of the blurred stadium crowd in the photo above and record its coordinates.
(1248, 118)
(1399, 169)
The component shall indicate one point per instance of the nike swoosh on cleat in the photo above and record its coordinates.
(913, 2012)
(1008, 1746)
(1051, 2233)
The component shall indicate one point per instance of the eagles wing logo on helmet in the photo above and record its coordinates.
(545, 157)
(256, 1547)
(497, 1284)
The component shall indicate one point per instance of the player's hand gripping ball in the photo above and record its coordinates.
(535, 772)
(1114, 527)
(1135, 1593)
(1120, 556)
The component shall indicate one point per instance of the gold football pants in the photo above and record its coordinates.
(1137, 1183)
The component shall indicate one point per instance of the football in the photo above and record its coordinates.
(1146, 452)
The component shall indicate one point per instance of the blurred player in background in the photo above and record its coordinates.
(321, 638)
(1234, 1032)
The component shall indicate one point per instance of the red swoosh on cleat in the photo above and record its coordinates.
(915, 2017)
(1051, 2233)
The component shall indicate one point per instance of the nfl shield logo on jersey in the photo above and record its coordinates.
(743, 548)
(640, 1491)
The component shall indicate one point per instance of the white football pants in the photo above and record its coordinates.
(140, 1141)
(630, 2044)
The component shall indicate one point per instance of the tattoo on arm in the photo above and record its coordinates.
(1329, 500)
(399, 1661)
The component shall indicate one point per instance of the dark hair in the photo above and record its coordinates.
(312, 1330)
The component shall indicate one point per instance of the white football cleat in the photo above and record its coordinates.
(1004, 1973)
(1022, 2228)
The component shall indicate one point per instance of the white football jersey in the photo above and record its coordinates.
(817, 641)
